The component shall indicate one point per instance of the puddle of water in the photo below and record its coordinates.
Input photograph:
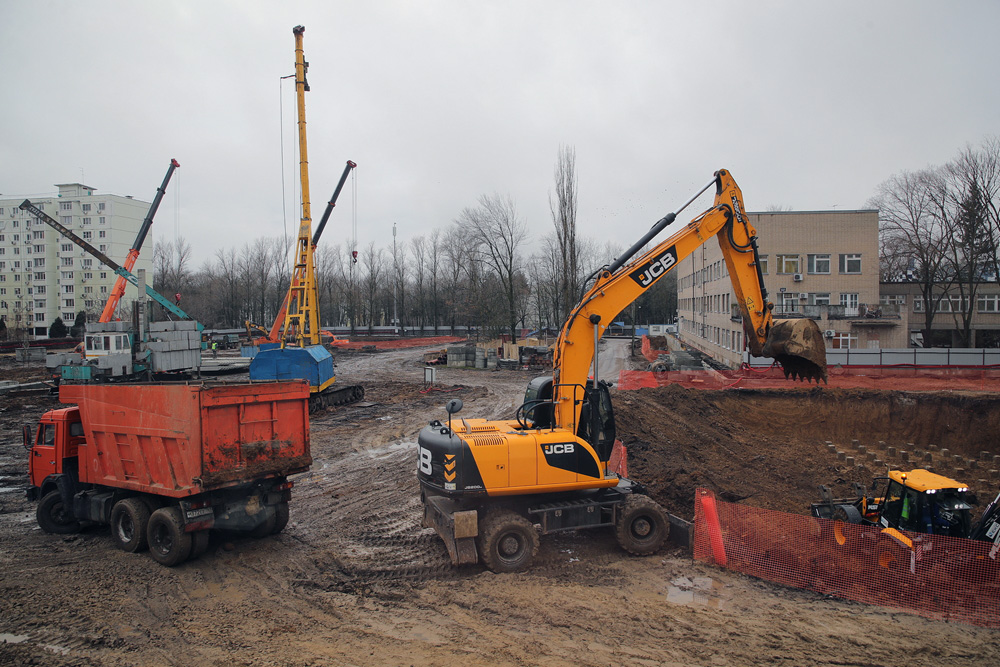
(701, 591)
(12, 639)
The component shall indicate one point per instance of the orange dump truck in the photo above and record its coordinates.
(164, 463)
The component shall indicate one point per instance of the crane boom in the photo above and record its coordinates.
(302, 316)
(118, 291)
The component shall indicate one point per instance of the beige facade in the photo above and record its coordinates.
(44, 275)
(947, 321)
(822, 265)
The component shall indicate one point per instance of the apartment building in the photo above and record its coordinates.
(44, 275)
(948, 313)
(817, 264)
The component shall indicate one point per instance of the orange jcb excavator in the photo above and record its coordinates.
(486, 484)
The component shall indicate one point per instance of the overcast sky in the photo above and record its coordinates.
(809, 104)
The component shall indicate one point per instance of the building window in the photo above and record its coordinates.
(86, 221)
(100, 207)
(66, 220)
(66, 247)
(818, 263)
(39, 276)
(100, 234)
(66, 261)
(69, 304)
(39, 248)
(38, 235)
(68, 289)
(66, 206)
(893, 299)
(988, 303)
(850, 263)
(849, 300)
(86, 208)
(763, 264)
(86, 236)
(39, 289)
(844, 341)
(39, 317)
(819, 299)
(100, 221)
(788, 264)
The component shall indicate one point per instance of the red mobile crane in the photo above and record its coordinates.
(119, 288)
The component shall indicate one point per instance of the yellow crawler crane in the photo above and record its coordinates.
(486, 484)
(301, 354)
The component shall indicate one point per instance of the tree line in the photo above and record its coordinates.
(939, 227)
(482, 270)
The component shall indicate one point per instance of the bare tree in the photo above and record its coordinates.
(910, 227)
(374, 272)
(498, 233)
(563, 208)
(418, 247)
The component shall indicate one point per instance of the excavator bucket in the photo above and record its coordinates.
(799, 347)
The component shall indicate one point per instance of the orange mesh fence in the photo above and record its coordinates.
(648, 351)
(935, 576)
(912, 378)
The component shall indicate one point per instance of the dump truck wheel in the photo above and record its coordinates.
(168, 543)
(129, 522)
(199, 543)
(507, 542)
(53, 517)
(280, 517)
(642, 526)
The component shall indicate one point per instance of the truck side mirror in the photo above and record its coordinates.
(27, 433)
(453, 406)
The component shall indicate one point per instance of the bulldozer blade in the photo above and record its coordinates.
(799, 347)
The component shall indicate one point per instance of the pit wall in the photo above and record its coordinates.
(944, 578)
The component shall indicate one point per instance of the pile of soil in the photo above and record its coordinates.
(768, 448)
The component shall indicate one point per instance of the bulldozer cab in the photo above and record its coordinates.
(921, 501)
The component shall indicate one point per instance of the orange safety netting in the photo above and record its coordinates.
(888, 378)
(935, 576)
(648, 351)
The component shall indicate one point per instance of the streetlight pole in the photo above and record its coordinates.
(395, 277)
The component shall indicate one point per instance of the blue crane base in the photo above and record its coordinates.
(313, 364)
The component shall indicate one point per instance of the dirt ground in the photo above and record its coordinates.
(354, 580)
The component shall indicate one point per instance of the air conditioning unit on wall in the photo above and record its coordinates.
(829, 333)
(797, 277)
(803, 295)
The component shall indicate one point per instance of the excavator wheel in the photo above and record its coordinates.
(799, 347)
(642, 526)
(507, 541)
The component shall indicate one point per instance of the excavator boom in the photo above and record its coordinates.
(796, 344)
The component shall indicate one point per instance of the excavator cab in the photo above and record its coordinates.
(597, 418)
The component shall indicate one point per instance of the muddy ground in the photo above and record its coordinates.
(354, 580)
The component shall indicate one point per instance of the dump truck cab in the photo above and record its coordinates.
(53, 447)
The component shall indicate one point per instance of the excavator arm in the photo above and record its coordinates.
(796, 344)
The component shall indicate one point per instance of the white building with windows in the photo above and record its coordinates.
(44, 275)
(822, 265)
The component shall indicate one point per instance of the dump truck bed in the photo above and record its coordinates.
(180, 439)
